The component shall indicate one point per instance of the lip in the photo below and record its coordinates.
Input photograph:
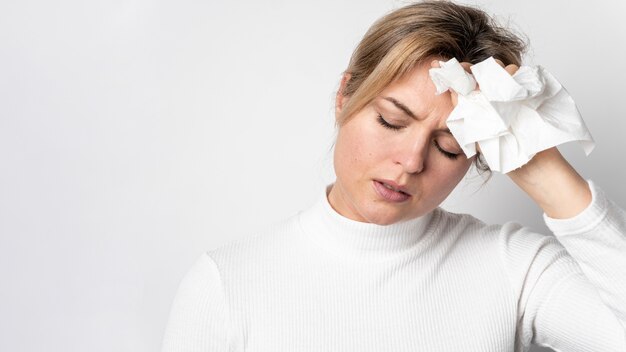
(395, 185)
(388, 194)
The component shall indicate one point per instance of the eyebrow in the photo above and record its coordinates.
(401, 106)
(410, 113)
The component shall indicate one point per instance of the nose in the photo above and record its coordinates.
(413, 153)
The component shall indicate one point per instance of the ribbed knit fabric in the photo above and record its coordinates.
(444, 282)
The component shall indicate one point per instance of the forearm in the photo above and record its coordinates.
(596, 239)
(553, 184)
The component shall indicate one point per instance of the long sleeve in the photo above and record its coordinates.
(199, 316)
(578, 302)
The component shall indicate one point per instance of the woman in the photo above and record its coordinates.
(376, 265)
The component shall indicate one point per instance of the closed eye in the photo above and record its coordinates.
(386, 124)
(445, 153)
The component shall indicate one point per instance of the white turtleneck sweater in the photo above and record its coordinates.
(319, 281)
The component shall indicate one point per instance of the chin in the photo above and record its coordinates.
(379, 217)
(386, 222)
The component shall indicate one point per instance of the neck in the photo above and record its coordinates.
(362, 240)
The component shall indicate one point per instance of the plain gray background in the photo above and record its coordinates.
(134, 135)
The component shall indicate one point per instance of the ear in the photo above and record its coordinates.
(340, 99)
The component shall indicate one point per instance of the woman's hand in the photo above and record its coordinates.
(547, 178)
(553, 184)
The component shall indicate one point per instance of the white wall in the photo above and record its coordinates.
(135, 135)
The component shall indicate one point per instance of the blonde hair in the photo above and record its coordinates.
(407, 36)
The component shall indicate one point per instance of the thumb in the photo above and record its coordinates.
(454, 96)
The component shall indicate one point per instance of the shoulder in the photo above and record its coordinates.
(265, 244)
(518, 247)
(508, 233)
(449, 222)
(522, 253)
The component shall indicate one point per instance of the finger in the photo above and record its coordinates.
(454, 97)
(435, 64)
(500, 62)
(511, 69)
(466, 66)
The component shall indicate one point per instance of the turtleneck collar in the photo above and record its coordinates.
(322, 224)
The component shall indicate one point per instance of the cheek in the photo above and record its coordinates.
(354, 150)
(449, 177)
(460, 172)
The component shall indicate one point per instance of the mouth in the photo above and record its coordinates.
(394, 186)
(390, 193)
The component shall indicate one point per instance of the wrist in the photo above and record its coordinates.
(553, 184)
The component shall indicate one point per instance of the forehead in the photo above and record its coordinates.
(417, 91)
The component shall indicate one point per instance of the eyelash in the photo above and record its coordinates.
(387, 124)
(395, 128)
(445, 153)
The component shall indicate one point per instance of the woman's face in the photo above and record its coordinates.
(420, 154)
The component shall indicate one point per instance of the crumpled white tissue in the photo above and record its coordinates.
(511, 118)
(454, 76)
